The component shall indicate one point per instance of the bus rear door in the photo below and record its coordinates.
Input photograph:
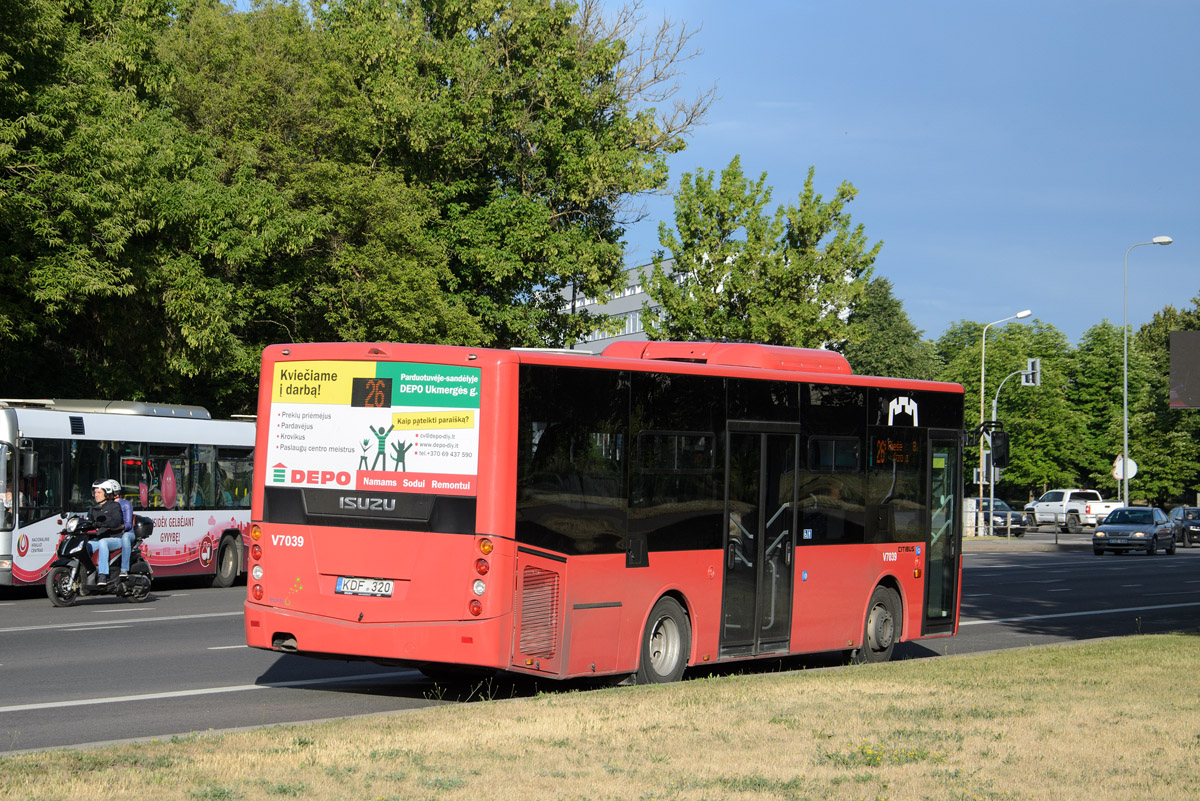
(760, 525)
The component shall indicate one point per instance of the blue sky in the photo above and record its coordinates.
(1007, 154)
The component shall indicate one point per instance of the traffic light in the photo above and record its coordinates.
(1000, 449)
(1032, 376)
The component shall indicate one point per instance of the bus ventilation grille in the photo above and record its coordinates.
(539, 613)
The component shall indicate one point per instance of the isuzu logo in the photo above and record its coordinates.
(358, 504)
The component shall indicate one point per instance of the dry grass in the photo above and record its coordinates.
(1117, 719)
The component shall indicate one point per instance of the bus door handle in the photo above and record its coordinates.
(787, 554)
(730, 555)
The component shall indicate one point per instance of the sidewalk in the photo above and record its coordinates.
(1040, 541)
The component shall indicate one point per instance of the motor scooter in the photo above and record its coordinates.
(74, 572)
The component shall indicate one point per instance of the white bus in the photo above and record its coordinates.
(189, 473)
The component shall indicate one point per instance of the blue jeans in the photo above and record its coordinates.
(105, 545)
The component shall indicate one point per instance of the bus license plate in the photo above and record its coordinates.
(347, 585)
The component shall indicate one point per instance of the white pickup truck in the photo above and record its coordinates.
(1069, 509)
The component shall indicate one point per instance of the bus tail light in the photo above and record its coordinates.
(257, 592)
(482, 567)
(476, 607)
(256, 551)
(478, 587)
(485, 546)
(257, 572)
(255, 532)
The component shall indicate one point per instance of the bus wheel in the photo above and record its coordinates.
(665, 644)
(227, 563)
(881, 629)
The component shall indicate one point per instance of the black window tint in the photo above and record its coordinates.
(831, 492)
(677, 496)
(572, 461)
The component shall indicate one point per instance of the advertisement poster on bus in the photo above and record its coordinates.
(377, 426)
(184, 542)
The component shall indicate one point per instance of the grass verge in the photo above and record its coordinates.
(1114, 719)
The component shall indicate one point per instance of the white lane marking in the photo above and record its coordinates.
(1073, 614)
(226, 647)
(139, 620)
(1062, 589)
(238, 688)
(100, 627)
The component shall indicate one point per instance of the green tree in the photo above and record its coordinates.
(182, 183)
(881, 339)
(1161, 439)
(723, 247)
(1044, 431)
(735, 272)
(524, 127)
(1095, 392)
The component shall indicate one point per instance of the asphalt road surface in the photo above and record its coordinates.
(107, 670)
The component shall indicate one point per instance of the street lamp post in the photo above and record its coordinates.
(1158, 240)
(1021, 315)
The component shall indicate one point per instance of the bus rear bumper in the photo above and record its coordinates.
(459, 642)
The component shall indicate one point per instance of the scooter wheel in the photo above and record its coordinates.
(59, 587)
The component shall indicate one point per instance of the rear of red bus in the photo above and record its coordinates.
(383, 504)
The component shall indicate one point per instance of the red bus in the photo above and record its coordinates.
(658, 506)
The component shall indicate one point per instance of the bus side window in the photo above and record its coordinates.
(42, 494)
(170, 479)
(91, 461)
(204, 468)
(235, 469)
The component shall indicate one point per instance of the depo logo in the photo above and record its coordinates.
(340, 478)
(902, 405)
(22, 545)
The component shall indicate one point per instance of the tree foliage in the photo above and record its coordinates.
(182, 183)
(881, 339)
(736, 272)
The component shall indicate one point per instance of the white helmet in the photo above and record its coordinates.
(109, 485)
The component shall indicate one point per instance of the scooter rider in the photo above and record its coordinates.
(107, 515)
(126, 518)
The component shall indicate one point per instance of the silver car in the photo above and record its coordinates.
(1134, 528)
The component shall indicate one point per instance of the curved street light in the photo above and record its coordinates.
(1158, 240)
(1021, 315)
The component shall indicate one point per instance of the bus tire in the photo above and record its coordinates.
(666, 643)
(881, 629)
(227, 563)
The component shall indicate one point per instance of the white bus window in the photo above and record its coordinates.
(202, 494)
(131, 471)
(8, 504)
(90, 462)
(170, 476)
(235, 469)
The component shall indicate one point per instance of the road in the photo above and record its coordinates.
(107, 670)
